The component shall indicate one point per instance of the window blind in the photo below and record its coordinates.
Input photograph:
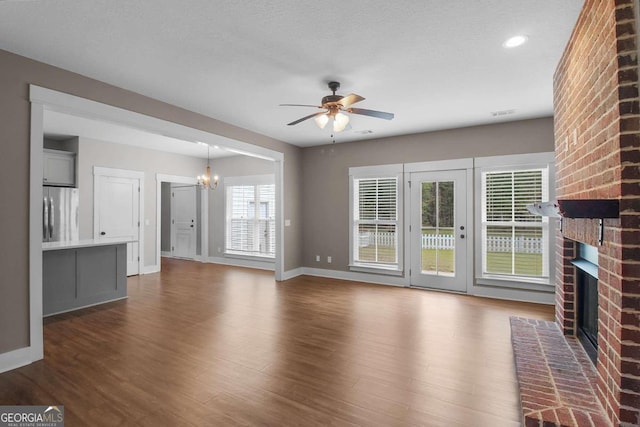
(251, 220)
(514, 241)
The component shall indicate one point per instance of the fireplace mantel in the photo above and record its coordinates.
(589, 208)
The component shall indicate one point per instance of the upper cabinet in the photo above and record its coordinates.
(59, 168)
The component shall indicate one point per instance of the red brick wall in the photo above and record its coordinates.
(597, 133)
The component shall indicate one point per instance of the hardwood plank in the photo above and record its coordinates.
(203, 344)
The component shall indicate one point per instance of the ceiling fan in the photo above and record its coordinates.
(336, 106)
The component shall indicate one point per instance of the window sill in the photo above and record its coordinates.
(389, 271)
(516, 283)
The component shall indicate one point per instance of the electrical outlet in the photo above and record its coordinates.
(219, 250)
(329, 259)
(317, 258)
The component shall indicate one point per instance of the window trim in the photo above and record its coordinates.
(383, 171)
(248, 180)
(514, 163)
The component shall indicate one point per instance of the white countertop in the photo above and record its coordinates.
(86, 243)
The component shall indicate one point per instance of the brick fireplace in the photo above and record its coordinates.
(597, 134)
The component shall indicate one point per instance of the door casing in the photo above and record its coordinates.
(438, 166)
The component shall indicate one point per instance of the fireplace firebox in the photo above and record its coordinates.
(587, 298)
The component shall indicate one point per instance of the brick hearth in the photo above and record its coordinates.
(556, 379)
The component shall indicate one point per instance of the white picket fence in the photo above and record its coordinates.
(521, 244)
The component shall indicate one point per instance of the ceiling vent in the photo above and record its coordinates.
(502, 113)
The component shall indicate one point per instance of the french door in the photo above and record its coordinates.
(438, 230)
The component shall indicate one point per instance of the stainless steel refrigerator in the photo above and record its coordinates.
(60, 214)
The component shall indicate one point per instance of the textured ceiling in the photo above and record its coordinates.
(435, 64)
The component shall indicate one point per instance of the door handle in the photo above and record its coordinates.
(51, 218)
(102, 233)
(191, 226)
(462, 236)
(45, 218)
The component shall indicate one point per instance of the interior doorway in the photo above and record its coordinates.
(180, 220)
(43, 99)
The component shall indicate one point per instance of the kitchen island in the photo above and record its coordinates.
(82, 273)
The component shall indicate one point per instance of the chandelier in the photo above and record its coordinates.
(205, 181)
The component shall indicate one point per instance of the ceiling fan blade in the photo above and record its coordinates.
(300, 105)
(372, 113)
(350, 99)
(306, 118)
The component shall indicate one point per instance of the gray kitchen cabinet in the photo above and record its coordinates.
(84, 276)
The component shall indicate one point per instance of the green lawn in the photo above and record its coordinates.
(497, 262)
(526, 264)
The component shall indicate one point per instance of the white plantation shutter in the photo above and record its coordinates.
(267, 218)
(375, 231)
(239, 224)
(514, 242)
(250, 219)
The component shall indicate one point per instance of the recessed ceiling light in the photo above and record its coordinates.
(515, 41)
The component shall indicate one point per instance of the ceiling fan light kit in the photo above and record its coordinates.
(335, 107)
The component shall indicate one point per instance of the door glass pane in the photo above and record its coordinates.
(438, 240)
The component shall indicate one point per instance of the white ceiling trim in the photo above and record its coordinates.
(74, 105)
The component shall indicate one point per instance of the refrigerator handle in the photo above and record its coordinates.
(51, 218)
(45, 218)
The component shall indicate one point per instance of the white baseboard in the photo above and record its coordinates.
(522, 295)
(15, 359)
(290, 274)
(510, 294)
(239, 262)
(149, 269)
(356, 277)
(165, 253)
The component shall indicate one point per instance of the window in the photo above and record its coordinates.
(250, 216)
(375, 218)
(515, 243)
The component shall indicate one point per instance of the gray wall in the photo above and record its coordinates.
(325, 174)
(228, 167)
(16, 73)
(99, 153)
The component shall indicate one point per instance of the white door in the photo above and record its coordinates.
(438, 233)
(183, 221)
(117, 209)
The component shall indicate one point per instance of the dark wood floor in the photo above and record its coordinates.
(201, 344)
